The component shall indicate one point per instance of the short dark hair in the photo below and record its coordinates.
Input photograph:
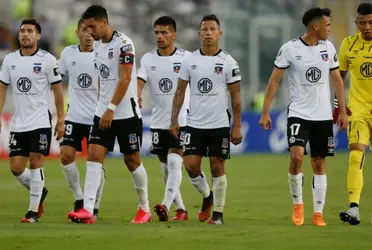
(96, 12)
(364, 9)
(33, 22)
(211, 17)
(315, 13)
(166, 21)
(80, 22)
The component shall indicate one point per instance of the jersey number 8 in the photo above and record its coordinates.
(155, 137)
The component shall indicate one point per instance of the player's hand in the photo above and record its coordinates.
(106, 120)
(174, 129)
(265, 122)
(140, 102)
(59, 130)
(342, 122)
(236, 135)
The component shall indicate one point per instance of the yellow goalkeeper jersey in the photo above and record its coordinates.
(356, 56)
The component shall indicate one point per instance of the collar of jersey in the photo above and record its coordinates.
(361, 38)
(302, 40)
(113, 34)
(37, 50)
(171, 54)
(201, 52)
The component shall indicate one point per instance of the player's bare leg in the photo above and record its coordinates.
(96, 157)
(354, 183)
(72, 174)
(198, 179)
(295, 181)
(139, 174)
(219, 185)
(35, 183)
(319, 187)
(172, 190)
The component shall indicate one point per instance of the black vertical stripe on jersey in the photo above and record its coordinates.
(50, 118)
(228, 116)
(288, 107)
(133, 106)
(41, 174)
(354, 43)
(313, 182)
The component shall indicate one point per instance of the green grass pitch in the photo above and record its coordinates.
(257, 215)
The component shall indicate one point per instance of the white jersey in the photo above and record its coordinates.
(308, 77)
(161, 73)
(209, 77)
(83, 84)
(31, 78)
(119, 50)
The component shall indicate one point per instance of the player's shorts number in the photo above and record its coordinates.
(295, 128)
(187, 138)
(68, 129)
(12, 141)
(155, 137)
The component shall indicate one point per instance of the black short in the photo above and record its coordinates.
(318, 133)
(207, 142)
(127, 131)
(35, 141)
(162, 141)
(74, 135)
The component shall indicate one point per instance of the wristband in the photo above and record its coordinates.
(336, 102)
(112, 106)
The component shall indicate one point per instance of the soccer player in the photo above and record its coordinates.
(160, 69)
(77, 61)
(310, 60)
(212, 74)
(117, 114)
(31, 72)
(354, 55)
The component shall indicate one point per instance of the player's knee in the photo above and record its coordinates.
(67, 157)
(217, 166)
(356, 159)
(36, 161)
(318, 165)
(16, 169)
(297, 159)
(133, 161)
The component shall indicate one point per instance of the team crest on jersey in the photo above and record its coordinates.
(132, 139)
(324, 56)
(37, 68)
(176, 67)
(218, 68)
(43, 139)
(331, 142)
(225, 143)
(110, 55)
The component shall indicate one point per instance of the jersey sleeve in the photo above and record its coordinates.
(333, 64)
(142, 74)
(342, 58)
(126, 56)
(5, 74)
(53, 72)
(62, 64)
(184, 73)
(232, 71)
(282, 60)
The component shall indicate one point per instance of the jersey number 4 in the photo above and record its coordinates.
(12, 140)
(295, 128)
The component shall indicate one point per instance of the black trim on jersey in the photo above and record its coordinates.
(280, 67)
(56, 82)
(113, 34)
(218, 52)
(228, 116)
(6, 84)
(133, 106)
(139, 78)
(302, 40)
(288, 107)
(354, 43)
(231, 83)
(171, 54)
(333, 68)
(84, 51)
(50, 118)
(37, 50)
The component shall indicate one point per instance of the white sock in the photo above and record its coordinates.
(219, 193)
(24, 178)
(164, 171)
(319, 192)
(140, 183)
(174, 179)
(92, 181)
(100, 189)
(178, 201)
(73, 178)
(36, 188)
(201, 185)
(295, 187)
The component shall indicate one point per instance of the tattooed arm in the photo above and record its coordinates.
(236, 134)
(178, 99)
